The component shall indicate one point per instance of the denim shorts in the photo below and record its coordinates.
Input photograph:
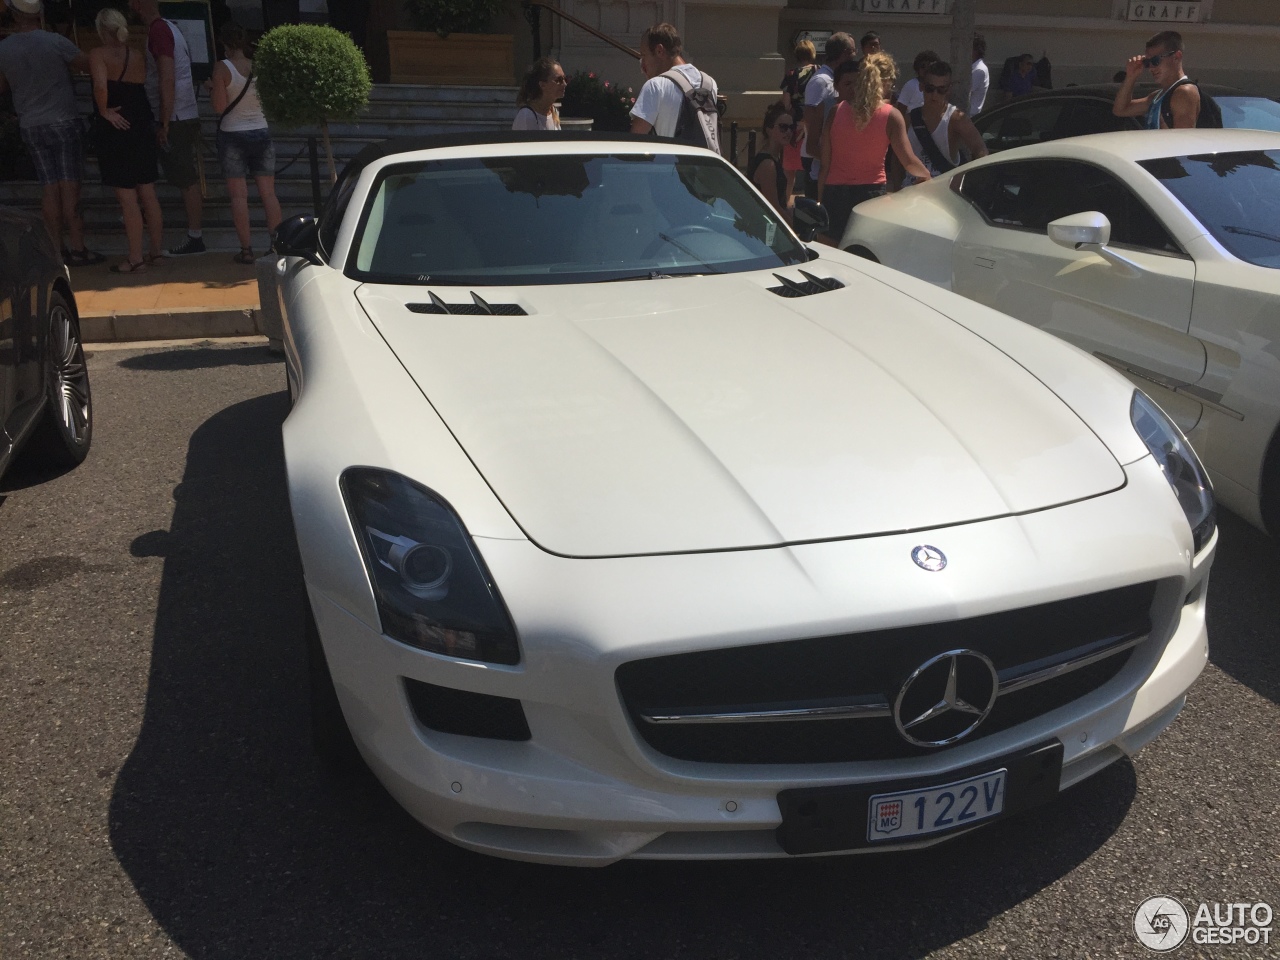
(246, 153)
(56, 151)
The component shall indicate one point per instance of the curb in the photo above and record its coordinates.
(172, 325)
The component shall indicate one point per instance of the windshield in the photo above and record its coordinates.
(1250, 113)
(565, 219)
(1235, 195)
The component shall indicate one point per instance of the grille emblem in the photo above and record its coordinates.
(946, 698)
(929, 558)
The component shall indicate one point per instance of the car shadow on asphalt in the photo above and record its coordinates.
(241, 845)
(199, 358)
(1244, 593)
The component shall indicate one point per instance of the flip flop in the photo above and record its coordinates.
(129, 267)
(158, 259)
(82, 258)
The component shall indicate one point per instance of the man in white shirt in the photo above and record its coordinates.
(658, 105)
(981, 81)
(911, 96)
(819, 100)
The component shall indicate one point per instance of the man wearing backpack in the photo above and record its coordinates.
(678, 100)
(1178, 102)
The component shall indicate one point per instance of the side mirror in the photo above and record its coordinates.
(1091, 231)
(1081, 231)
(810, 218)
(296, 237)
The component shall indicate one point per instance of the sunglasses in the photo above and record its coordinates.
(1155, 61)
(930, 88)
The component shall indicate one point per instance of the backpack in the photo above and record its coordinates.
(699, 122)
(1210, 115)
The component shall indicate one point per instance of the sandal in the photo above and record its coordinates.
(129, 267)
(81, 258)
(245, 256)
(158, 259)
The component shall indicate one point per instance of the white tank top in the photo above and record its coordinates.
(941, 136)
(247, 114)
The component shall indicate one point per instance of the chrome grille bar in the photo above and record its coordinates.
(1028, 675)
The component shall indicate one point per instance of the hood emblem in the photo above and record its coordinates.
(929, 558)
(946, 698)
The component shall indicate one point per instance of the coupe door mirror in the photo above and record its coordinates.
(810, 219)
(1081, 231)
(1092, 232)
(296, 237)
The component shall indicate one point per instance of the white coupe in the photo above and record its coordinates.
(632, 526)
(1156, 251)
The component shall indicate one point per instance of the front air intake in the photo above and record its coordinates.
(466, 714)
(811, 285)
(476, 308)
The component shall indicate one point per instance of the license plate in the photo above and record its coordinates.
(914, 813)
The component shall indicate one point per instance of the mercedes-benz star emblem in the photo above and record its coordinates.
(946, 698)
(929, 558)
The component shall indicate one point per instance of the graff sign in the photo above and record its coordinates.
(939, 7)
(1166, 12)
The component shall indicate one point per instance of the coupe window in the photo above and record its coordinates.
(1031, 194)
(1235, 195)
(565, 219)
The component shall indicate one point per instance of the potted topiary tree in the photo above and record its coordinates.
(452, 44)
(308, 75)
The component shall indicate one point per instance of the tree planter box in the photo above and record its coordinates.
(465, 58)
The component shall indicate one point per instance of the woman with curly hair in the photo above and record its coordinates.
(544, 84)
(765, 169)
(857, 137)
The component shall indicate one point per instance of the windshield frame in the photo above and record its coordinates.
(400, 164)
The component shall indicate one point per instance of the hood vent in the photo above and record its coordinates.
(477, 307)
(810, 286)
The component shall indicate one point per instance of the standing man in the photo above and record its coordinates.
(173, 101)
(940, 134)
(35, 64)
(870, 43)
(981, 81)
(659, 105)
(819, 100)
(1176, 103)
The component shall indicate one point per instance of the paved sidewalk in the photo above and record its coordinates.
(202, 295)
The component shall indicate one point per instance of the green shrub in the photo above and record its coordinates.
(310, 74)
(608, 104)
(453, 16)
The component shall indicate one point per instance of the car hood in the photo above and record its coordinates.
(711, 413)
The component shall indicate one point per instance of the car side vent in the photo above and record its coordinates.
(477, 307)
(810, 286)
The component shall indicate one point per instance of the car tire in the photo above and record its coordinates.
(330, 735)
(65, 431)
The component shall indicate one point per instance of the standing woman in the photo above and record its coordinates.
(544, 84)
(126, 142)
(244, 142)
(857, 137)
(765, 169)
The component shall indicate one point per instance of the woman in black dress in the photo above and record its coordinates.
(765, 168)
(126, 142)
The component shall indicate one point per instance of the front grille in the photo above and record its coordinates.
(871, 667)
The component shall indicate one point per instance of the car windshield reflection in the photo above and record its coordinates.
(565, 219)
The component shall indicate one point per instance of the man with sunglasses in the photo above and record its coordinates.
(1176, 103)
(937, 131)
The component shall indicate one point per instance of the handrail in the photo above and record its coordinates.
(545, 5)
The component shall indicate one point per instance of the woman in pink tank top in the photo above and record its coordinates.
(857, 137)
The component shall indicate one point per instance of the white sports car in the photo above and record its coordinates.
(634, 527)
(1157, 252)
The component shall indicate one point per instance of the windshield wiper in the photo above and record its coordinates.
(681, 247)
(1246, 232)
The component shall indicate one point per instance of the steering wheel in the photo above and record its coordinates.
(673, 234)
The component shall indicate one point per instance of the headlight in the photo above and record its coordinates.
(1180, 464)
(432, 588)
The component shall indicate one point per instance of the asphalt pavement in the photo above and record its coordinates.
(159, 797)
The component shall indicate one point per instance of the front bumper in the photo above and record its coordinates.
(587, 790)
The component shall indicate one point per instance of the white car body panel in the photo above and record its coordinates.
(771, 516)
(1206, 320)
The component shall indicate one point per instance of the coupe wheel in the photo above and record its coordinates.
(66, 430)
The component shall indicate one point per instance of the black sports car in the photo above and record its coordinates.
(1072, 111)
(44, 383)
